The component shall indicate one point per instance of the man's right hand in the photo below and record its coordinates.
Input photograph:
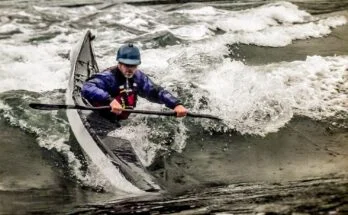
(116, 107)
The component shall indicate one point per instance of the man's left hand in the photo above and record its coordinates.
(180, 110)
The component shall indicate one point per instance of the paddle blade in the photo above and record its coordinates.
(40, 106)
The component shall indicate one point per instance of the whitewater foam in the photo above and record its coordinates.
(279, 36)
(32, 68)
(262, 99)
(275, 24)
(253, 99)
(138, 136)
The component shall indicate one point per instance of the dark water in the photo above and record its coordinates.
(313, 196)
(299, 169)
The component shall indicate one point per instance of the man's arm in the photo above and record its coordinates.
(95, 90)
(156, 93)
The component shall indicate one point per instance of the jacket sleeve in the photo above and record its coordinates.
(155, 93)
(96, 89)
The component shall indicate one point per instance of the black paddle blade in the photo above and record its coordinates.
(40, 106)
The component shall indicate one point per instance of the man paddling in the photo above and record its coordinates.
(120, 85)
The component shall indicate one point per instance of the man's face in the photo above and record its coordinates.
(127, 70)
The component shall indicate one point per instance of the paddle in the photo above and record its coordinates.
(40, 106)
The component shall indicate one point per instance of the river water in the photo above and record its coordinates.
(276, 72)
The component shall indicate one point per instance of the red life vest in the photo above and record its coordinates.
(127, 96)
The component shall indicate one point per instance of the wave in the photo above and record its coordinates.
(51, 130)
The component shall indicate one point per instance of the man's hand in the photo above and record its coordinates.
(180, 110)
(116, 107)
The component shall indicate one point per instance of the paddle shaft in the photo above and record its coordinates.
(40, 106)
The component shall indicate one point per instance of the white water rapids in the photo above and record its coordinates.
(184, 50)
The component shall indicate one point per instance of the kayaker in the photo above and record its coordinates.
(119, 86)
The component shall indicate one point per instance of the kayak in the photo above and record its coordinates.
(114, 157)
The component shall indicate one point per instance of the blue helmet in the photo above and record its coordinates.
(128, 54)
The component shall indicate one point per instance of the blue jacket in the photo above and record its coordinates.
(102, 87)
